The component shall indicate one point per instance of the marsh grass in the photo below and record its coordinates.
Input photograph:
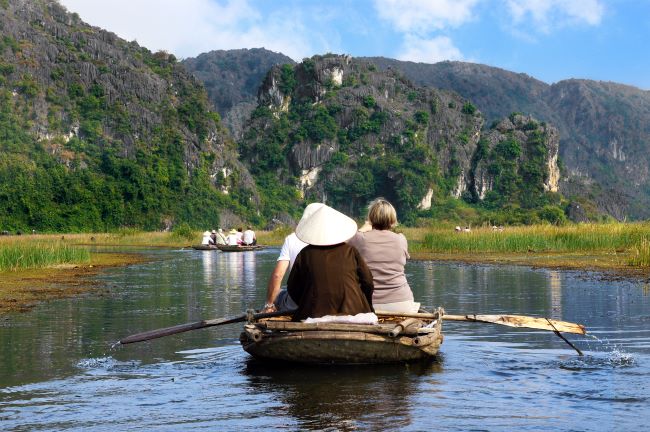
(587, 238)
(641, 254)
(273, 238)
(32, 254)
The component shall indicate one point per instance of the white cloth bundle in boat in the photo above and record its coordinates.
(361, 318)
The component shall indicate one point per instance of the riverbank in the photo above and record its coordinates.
(21, 290)
(618, 250)
(610, 265)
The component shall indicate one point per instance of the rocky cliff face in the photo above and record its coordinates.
(350, 132)
(87, 98)
(232, 79)
(604, 127)
(607, 143)
(523, 143)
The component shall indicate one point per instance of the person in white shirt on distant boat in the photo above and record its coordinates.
(232, 239)
(221, 238)
(249, 237)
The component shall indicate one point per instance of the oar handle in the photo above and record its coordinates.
(167, 331)
(158, 333)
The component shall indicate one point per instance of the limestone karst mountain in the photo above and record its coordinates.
(98, 132)
(344, 132)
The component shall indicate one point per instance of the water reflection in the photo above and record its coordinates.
(207, 260)
(341, 398)
(159, 384)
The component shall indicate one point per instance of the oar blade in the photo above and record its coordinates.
(522, 321)
(534, 322)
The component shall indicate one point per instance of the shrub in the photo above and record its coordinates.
(468, 108)
(422, 117)
(183, 231)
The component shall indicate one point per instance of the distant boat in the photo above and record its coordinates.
(238, 248)
(205, 247)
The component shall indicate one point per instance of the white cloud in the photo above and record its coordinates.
(549, 14)
(191, 27)
(422, 16)
(431, 50)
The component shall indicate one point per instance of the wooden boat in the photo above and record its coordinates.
(205, 247)
(393, 340)
(242, 248)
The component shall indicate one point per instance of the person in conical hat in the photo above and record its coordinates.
(277, 299)
(232, 239)
(329, 277)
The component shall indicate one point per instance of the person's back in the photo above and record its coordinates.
(386, 253)
(330, 280)
(232, 239)
(249, 237)
(221, 238)
(206, 238)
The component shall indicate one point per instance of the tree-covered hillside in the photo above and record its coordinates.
(98, 133)
(339, 130)
(604, 127)
(232, 78)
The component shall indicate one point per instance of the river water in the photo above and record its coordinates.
(59, 371)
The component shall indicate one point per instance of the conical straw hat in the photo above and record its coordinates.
(310, 209)
(325, 227)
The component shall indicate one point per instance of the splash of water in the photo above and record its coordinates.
(614, 357)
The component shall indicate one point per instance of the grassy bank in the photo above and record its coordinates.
(34, 254)
(35, 268)
(630, 241)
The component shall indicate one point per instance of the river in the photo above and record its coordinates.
(59, 370)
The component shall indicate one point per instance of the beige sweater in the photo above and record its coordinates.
(385, 254)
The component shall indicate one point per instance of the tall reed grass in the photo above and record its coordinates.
(641, 254)
(616, 237)
(37, 254)
(273, 238)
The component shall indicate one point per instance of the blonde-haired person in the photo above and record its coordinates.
(385, 253)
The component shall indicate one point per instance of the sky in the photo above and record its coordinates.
(550, 40)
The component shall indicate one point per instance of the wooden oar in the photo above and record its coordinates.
(158, 333)
(507, 320)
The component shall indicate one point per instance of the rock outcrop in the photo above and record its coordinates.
(351, 132)
(232, 78)
(94, 102)
(604, 127)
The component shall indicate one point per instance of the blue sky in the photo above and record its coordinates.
(550, 40)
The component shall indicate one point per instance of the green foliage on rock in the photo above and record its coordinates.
(85, 146)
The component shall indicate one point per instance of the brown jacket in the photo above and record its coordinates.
(330, 280)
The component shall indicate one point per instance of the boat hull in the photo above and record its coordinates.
(227, 248)
(339, 347)
(205, 247)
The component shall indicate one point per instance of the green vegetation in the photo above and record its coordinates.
(366, 165)
(117, 168)
(641, 253)
(585, 238)
(468, 109)
(29, 255)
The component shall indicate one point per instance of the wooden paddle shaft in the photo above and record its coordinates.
(158, 333)
(507, 320)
